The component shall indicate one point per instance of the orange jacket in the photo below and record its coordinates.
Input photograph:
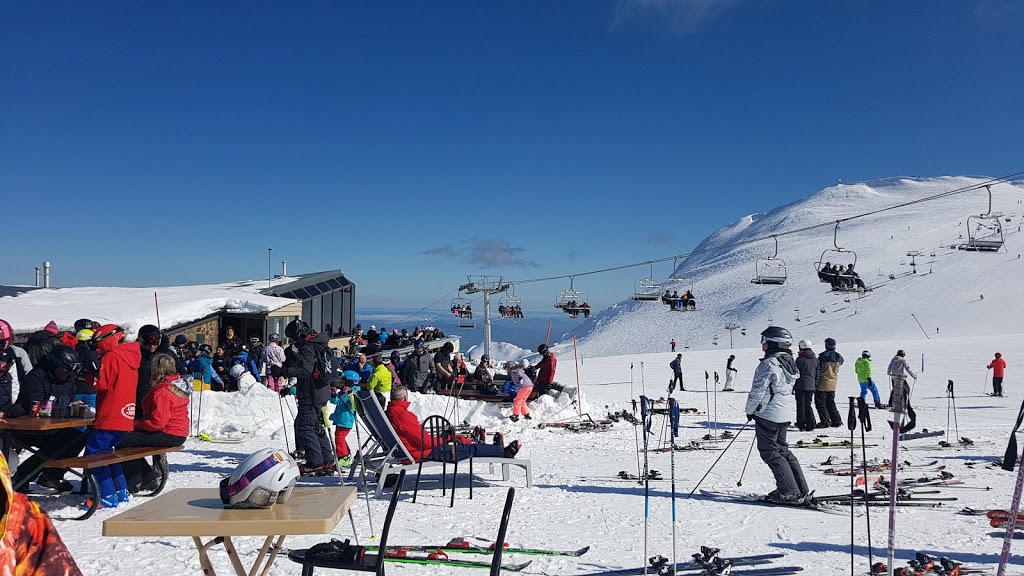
(997, 366)
(30, 544)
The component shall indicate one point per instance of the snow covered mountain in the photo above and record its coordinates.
(954, 293)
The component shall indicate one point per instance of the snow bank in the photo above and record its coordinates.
(500, 353)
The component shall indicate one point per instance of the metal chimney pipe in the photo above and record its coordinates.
(37, 276)
(46, 274)
(284, 268)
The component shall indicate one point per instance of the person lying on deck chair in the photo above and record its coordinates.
(409, 430)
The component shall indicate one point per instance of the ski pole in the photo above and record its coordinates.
(636, 434)
(284, 424)
(672, 459)
(645, 415)
(749, 452)
(326, 421)
(984, 390)
(851, 423)
(716, 407)
(738, 432)
(707, 399)
(949, 397)
(897, 421)
(366, 492)
(864, 414)
(952, 398)
(1011, 526)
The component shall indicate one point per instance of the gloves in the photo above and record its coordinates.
(750, 417)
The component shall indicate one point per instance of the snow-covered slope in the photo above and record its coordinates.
(945, 293)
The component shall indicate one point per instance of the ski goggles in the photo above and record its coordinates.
(151, 339)
(115, 332)
(228, 489)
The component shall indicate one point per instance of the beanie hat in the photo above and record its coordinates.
(998, 355)
(51, 327)
(830, 343)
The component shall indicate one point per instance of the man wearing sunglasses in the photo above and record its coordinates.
(151, 342)
(55, 375)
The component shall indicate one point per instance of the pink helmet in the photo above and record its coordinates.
(6, 335)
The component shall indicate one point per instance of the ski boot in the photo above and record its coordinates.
(726, 435)
(657, 563)
(879, 568)
(707, 553)
(926, 560)
(654, 475)
(965, 441)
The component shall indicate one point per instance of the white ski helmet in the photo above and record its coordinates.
(236, 371)
(262, 479)
(806, 344)
(524, 363)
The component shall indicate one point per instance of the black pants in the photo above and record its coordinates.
(804, 411)
(310, 435)
(138, 471)
(825, 402)
(677, 377)
(774, 451)
(64, 443)
(997, 385)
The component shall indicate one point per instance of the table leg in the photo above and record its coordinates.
(273, 555)
(269, 545)
(204, 558)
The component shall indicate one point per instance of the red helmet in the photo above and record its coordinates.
(6, 335)
(108, 336)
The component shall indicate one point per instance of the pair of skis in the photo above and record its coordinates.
(440, 555)
(709, 563)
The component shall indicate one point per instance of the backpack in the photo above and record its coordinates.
(325, 365)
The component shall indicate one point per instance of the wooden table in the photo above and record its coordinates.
(198, 512)
(31, 425)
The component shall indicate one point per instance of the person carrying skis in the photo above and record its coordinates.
(677, 374)
(768, 405)
(900, 399)
(998, 365)
(829, 362)
(863, 369)
(344, 416)
(729, 373)
(807, 364)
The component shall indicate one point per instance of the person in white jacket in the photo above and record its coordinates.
(900, 399)
(769, 405)
(243, 377)
(273, 355)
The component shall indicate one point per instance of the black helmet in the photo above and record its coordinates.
(205, 349)
(64, 357)
(901, 353)
(193, 345)
(149, 334)
(542, 348)
(297, 330)
(180, 340)
(82, 324)
(865, 354)
(778, 335)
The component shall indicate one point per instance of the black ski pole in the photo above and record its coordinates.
(851, 423)
(707, 399)
(744, 471)
(636, 434)
(952, 398)
(744, 427)
(864, 414)
(949, 396)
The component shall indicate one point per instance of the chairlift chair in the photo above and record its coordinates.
(463, 311)
(770, 270)
(573, 302)
(512, 306)
(676, 302)
(833, 255)
(647, 289)
(985, 231)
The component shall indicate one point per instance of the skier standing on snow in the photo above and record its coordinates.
(730, 372)
(829, 362)
(998, 365)
(807, 364)
(769, 406)
(677, 374)
(863, 369)
(546, 371)
(673, 343)
(900, 399)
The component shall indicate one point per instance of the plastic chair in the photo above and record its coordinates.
(371, 562)
(436, 428)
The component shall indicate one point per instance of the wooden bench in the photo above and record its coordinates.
(86, 463)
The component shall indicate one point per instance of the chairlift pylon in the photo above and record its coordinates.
(647, 289)
(985, 231)
(770, 270)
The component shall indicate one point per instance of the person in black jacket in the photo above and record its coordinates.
(55, 376)
(231, 343)
(807, 364)
(313, 367)
(152, 342)
(256, 353)
(416, 368)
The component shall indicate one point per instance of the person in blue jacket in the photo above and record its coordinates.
(344, 416)
(202, 367)
(360, 366)
(247, 362)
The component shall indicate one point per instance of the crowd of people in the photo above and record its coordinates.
(373, 341)
(841, 277)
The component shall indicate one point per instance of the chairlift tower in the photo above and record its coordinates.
(732, 327)
(485, 285)
(913, 254)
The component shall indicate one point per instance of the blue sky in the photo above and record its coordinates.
(412, 143)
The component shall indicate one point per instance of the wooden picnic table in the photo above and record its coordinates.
(34, 425)
(198, 512)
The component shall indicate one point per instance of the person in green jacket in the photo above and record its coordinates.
(863, 369)
(381, 381)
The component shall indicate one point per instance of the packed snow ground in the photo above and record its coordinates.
(576, 502)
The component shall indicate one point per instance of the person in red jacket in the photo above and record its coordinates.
(546, 371)
(115, 408)
(997, 367)
(410, 432)
(165, 425)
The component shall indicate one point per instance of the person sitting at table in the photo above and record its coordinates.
(115, 409)
(165, 425)
(410, 431)
(55, 375)
(31, 544)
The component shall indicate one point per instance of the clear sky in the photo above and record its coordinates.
(412, 143)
